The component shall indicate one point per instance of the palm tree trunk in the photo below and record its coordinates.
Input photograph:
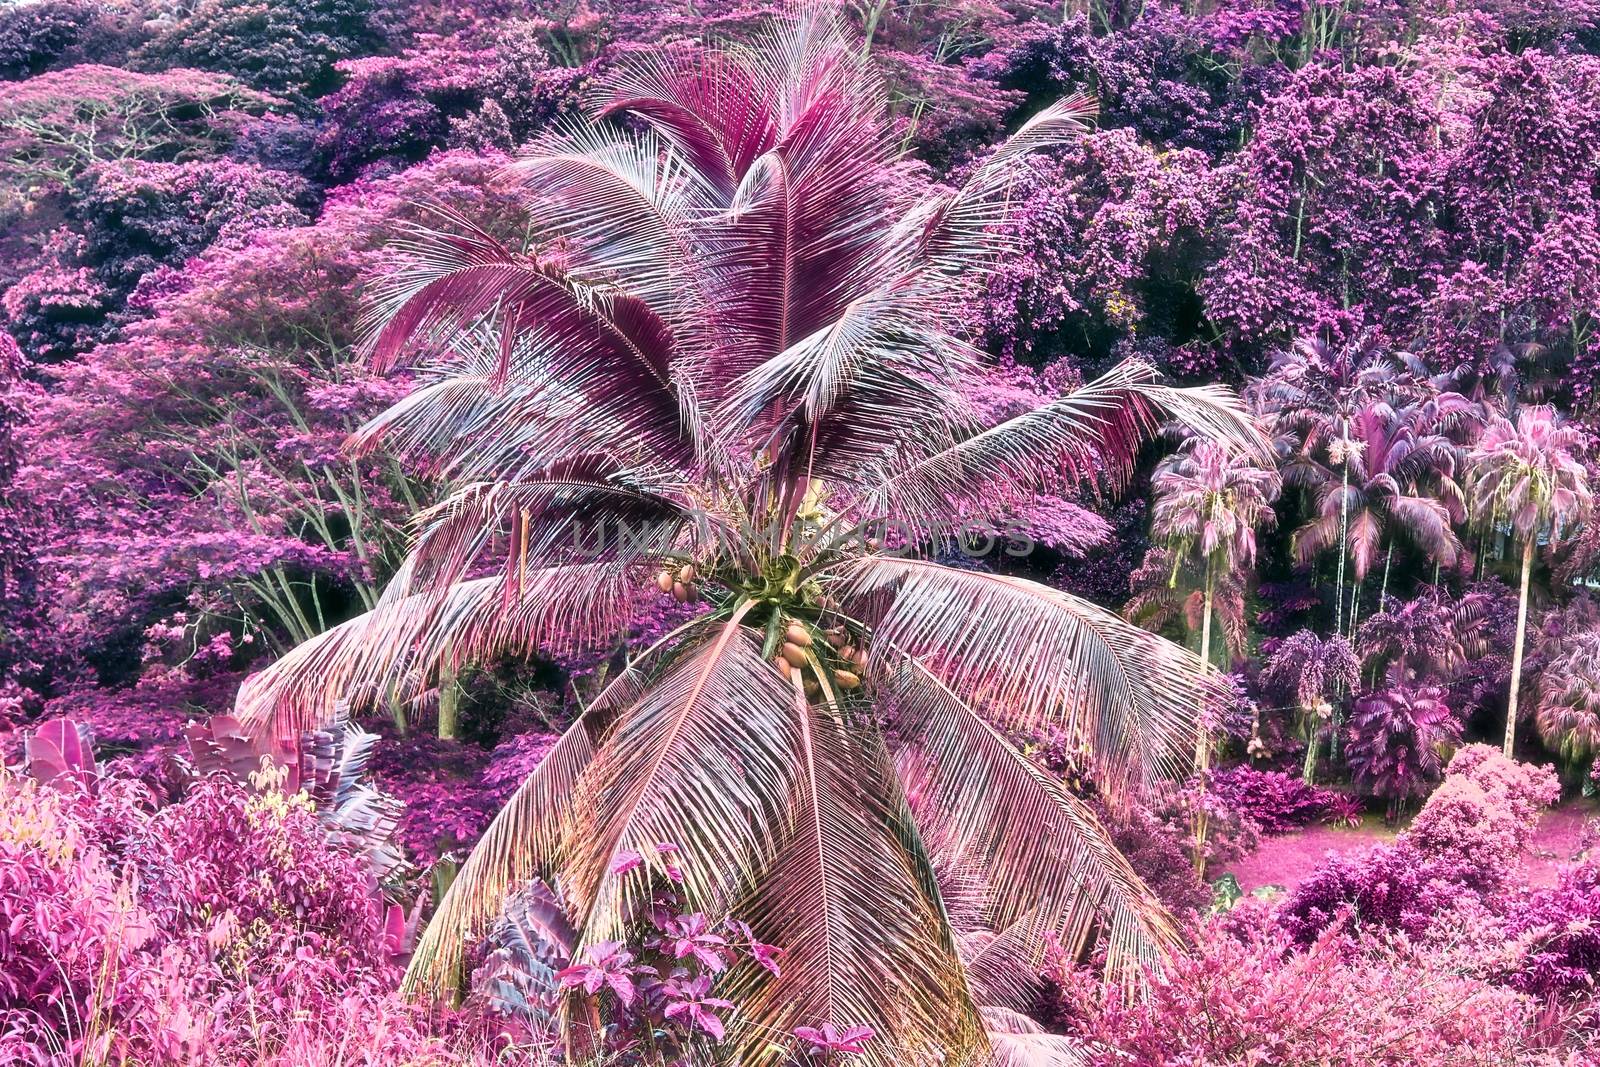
(449, 706)
(1528, 547)
(1202, 745)
(1344, 524)
(1308, 772)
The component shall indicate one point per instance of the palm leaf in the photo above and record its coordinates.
(1092, 434)
(703, 759)
(1031, 656)
(521, 843)
(1049, 862)
(623, 204)
(852, 902)
(1017, 1041)
(402, 642)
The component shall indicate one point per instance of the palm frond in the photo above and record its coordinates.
(397, 646)
(490, 413)
(1092, 434)
(958, 234)
(853, 903)
(705, 759)
(1030, 656)
(1049, 862)
(578, 513)
(1017, 1041)
(623, 203)
(522, 843)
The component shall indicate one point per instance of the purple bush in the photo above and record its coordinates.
(1278, 803)
(1458, 857)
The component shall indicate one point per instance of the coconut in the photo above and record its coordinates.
(858, 656)
(797, 635)
(680, 592)
(782, 665)
(686, 573)
(794, 654)
(812, 689)
(847, 679)
(664, 581)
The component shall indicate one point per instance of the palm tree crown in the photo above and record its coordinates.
(1209, 502)
(1527, 477)
(731, 355)
(1400, 474)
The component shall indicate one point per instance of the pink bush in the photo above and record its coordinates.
(1248, 996)
(1459, 856)
(209, 931)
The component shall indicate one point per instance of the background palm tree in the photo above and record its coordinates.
(1209, 502)
(1308, 401)
(1568, 714)
(731, 363)
(1528, 480)
(1314, 671)
(1395, 476)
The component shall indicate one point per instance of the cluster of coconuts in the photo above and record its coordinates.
(681, 585)
(793, 656)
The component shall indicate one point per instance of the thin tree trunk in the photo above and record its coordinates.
(1516, 650)
(1202, 745)
(1344, 519)
(1308, 772)
(449, 706)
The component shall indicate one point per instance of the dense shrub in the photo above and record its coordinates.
(250, 348)
(1276, 802)
(54, 126)
(136, 216)
(226, 926)
(1556, 936)
(1461, 852)
(1248, 996)
(33, 36)
(287, 46)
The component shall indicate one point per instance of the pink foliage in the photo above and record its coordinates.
(1460, 854)
(1248, 996)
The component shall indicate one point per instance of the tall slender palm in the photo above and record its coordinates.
(731, 358)
(1209, 502)
(1308, 400)
(1397, 476)
(1528, 481)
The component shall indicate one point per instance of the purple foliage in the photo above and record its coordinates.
(1276, 802)
(1398, 739)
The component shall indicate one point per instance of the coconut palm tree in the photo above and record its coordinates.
(1527, 480)
(728, 369)
(1209, 502)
